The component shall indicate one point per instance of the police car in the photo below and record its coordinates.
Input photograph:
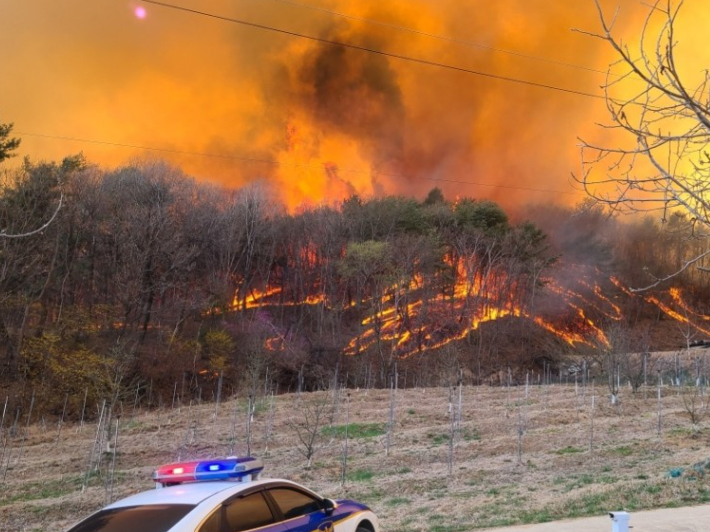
(226, 495)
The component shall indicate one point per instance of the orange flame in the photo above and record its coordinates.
(677, 296)
(676, 315)
(474, 300)
(403, 321)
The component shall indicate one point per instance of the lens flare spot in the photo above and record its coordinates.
(140, 12)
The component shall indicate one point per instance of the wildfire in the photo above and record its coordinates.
(676, 315)
(571, 338)
(258, 299)
(618, 315)
(601, 337)
(408, 317)
(677, 296)
(570, 295)
(275, 344)
(495, 314)
(687, 316)
(620, 286)
(475, 299)
(255, 298)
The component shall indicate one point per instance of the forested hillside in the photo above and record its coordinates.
(149, 286)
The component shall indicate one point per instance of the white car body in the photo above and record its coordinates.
(212, 502)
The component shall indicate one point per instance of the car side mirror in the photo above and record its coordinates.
(329, 506)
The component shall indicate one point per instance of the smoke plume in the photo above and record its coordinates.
(236, 104)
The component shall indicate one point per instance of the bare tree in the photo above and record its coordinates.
(344, 470)
(522, 426)
(312, 414)
(29, 247)
(614, 352)
(591, 423)
(664, 116)
(696, 406)
(452, 433)
(638, 360)
(38, 230)
(390, 420)
(659, 417)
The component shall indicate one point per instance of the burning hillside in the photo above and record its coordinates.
(168, 282)
(483, 279)
(409, 319)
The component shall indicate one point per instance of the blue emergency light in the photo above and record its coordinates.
(242, 469)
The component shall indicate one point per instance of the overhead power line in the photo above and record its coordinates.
(148, 148)
(445, 38)
(280, 163)
(376, 51)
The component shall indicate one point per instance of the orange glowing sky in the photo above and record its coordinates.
(317, 121)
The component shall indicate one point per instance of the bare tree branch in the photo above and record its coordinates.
(3, 234)
(662, 164)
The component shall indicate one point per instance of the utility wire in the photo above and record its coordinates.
(376, 51)
(445, 38)
(280, 163)
(150, 148)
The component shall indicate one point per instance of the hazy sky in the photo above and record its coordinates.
(318, 121)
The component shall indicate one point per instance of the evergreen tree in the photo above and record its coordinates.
(7, 143)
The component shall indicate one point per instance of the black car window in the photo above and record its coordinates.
(294, 503)
(150, 518)
(212, 523)
(246, 513)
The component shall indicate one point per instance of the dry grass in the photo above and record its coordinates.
(410, 489)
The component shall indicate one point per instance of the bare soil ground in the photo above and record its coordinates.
(558, 476)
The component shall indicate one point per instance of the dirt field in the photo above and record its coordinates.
(558, 476)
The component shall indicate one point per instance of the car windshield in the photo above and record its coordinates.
(151, 518)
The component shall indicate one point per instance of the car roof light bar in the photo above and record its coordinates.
(242, 469)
